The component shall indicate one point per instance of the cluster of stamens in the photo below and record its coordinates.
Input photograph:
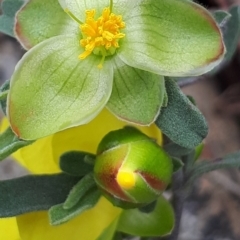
(101, 36)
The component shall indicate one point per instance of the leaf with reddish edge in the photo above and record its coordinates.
(52, 90)
(39, 20)
(137, 95)
(171, 38)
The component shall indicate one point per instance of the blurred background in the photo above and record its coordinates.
(212, 211)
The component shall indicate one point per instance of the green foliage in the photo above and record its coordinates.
(9, 143)
(77, 163)
(229, 161)
(175, 150)
(221, 17)
(231, 32)
(33, 193)
(181, 121)
(156, 223)
(79, 191)
(58, 214)
(9, 8)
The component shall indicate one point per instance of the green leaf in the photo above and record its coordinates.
(39, 20)
(221, 17)
(59, 215)
(9, 143)
(205, 166)
(137, 95)
(52, 89)
(232, 32)
(175, 150)
(157, 223)
(108, 233)
(171, 38)
(33, 193)
(181, 121)
(79, 190)
(9, 9)
(76, 163)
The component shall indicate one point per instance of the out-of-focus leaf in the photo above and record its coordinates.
(229, 161)
(9, 8)
(157, 223)
(232, 32)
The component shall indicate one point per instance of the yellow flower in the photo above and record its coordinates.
(42, 157)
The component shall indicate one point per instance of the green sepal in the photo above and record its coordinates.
(76, 163)
(9, 143)
(137, 95)
(149, 207)
(181, 121)
(79, 190)
(120, 203)
(9, 9)
(33, 193)
(59, 215)
(157, 223)
(122, 136)
(39, 20)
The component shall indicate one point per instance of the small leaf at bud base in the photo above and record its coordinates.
(131, 169)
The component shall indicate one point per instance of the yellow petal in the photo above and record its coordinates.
(43, 155)
(87, 137)
(37, 157)
(9, 229)
(87, 226)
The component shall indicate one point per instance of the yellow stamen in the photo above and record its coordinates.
(101, 33)
(126, 179)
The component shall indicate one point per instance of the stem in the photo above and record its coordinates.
(177, 203)
(111, 5)
(3, 95)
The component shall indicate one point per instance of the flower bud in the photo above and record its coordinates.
(131, 169)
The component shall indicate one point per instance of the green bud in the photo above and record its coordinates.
(131, 169)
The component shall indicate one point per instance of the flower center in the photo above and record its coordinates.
(101, 36)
